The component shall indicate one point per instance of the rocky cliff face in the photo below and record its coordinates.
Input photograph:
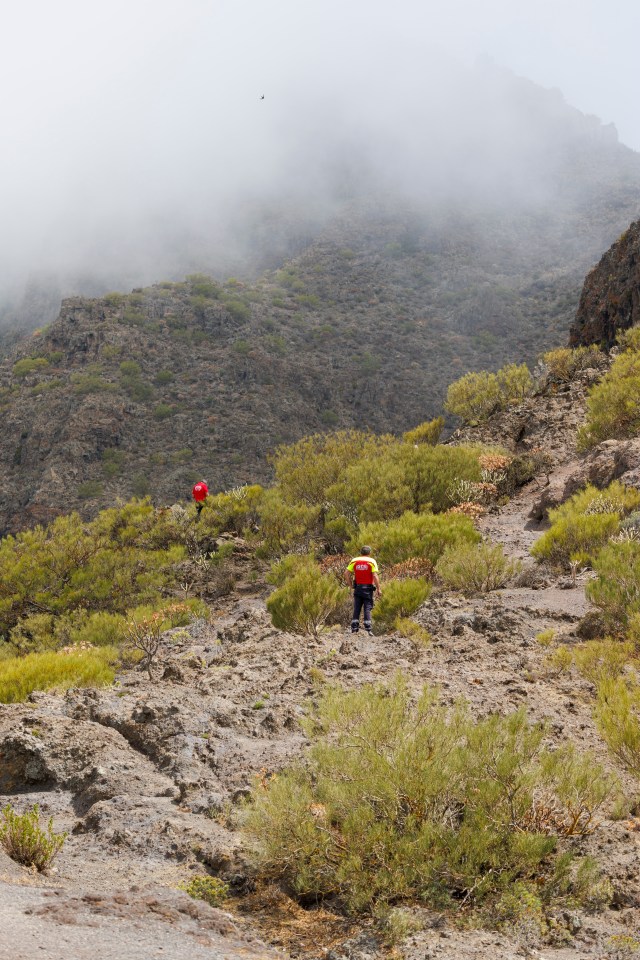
(610, 300)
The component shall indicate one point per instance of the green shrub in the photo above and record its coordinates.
(163, 411)
(20, 676)
(44, 631)
(405, 801)
(404, 477)
(90, 489)
(602, 660)
(22, 368)
(306, 469)
(413, 631)
(305, 602)
(136, 388)
(289, 566)
(130, 368)
(415, 535)
(238, 309)
(428, 432)
(212, 890)
(114, 299)
(163, 377)
(476, 568)
(514, 382)
(125, 557)
(26, 840)
(475, 396)
(284, 526)
(86, 383)
(327, 471)
(616, 589)
(564, 363)
(112, 462)
(203, 286)
(399, 599)
(585, 523)
(140, 485)
(613, 405)
(235, 511)
(618, 718)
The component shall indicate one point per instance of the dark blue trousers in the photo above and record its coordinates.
(362, 597)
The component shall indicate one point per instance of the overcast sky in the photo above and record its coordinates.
(115, 100)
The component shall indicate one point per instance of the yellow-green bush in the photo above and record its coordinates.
(285, 526)
(613, 405)
(476, 395)
(473, 397)
(26, 840)
(618, 717)
(616, 588)
(55, 579)
(212, 890)
(415, 535)
(20, 676)
(234, 511)
(428, 432)
(399, 599)
(585, 523)
(601, 661)
(514, 382)
(413, 631)
(306, 469)
(289, 566)
(305, 601)
(564, 363)
(357, 477)
(22, 368)
(476, 568)
(404, 801)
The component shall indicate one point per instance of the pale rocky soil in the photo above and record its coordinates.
(148, 777)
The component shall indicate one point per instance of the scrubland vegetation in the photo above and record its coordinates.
(613, 406)
(405, 801)
(400, 800)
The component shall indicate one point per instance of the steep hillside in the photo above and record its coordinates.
(610, 299)
(150, 777)
(366, 327)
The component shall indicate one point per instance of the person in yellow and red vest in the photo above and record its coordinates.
(362, 575)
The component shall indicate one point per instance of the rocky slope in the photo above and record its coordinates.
(610, 299)
(148, 777)
(367, 327)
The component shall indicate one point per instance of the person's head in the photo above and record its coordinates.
(204, 481)
(365, 551)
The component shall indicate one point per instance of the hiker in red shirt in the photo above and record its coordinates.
(200, 493)
(362, 575)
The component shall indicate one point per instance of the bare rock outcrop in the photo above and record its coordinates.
(610, 300)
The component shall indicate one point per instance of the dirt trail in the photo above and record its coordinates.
(513, 527)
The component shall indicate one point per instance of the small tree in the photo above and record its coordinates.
(145, 633)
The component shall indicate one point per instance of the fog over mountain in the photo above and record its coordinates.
(146, 141)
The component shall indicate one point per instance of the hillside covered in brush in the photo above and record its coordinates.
(146, 392)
